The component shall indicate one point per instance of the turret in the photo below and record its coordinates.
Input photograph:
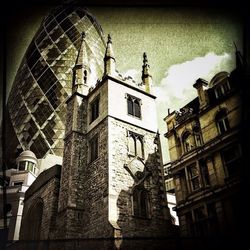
(27, 161)
(81, 70)
(109, 59)
(146, 77)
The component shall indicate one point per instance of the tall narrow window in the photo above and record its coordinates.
(218, 92)
(232, 157)
(85, 77)
(93, 148)
(204, 173)
(134, 106)
(139, 147)
(137, 108)
(130, 105)
(132, 145)
(200, 223)
(135, 144)
(194, 177)
(222, 121)
(140, 203)
(94, 109)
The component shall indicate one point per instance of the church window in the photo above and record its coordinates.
(134, 106)
(132, 145)
(222, 121)
(93, 148)
(139, 147)
(140, 203)
(85, 77)
(135, 144)
(94, 109)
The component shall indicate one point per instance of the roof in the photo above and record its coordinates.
(43, 179)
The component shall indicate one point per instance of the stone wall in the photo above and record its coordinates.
(122, 182)
(47, 194)
(85, 213)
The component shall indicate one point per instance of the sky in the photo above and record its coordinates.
(182, 45)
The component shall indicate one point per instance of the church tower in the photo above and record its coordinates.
(112, 177)
(71, 201)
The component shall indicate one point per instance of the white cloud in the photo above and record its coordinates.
(135, 74)
(176, 88)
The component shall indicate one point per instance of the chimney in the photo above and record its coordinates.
(202, 94)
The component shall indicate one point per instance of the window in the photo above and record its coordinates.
(134, 106)
(204, 173)
(22, 165)
(222, 89)
(231, 157)
(188, 142)
(30, 166)
(93, 148)
(198, 175)
(218, 92)
(85, 77)
(135, 142)
(226, 87)
(200, 223)
(197, 136)
(17, 183)
(140, 203)
(222, 121)
(194, 178)
(95, 109)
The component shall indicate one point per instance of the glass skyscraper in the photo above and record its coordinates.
(43, 82)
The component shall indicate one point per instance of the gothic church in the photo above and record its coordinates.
(110, 184)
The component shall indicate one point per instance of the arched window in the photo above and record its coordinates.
(130, 105)
(222, 121)
(139, 147)
(134, 106)
(85, 76)
(140, 203)
(187, 140)
(137, 108)
(135, 144)
(131, 145)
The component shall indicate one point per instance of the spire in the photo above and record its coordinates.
(81, 69)
(146, 77)
(109, 59)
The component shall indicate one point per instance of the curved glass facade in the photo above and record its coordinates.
(44, 79)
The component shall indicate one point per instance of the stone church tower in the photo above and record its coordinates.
(112, 179)
(110, 185)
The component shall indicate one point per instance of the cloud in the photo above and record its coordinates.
(176, 88)
(135, 74)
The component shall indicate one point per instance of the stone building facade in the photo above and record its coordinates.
(206, 156)
(111, 183)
